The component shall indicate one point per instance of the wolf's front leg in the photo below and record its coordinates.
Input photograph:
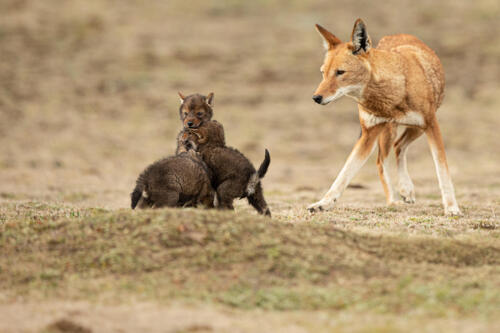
(361, 152)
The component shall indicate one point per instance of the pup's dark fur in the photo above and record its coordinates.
(218, 138)
(233, 174)
(194, 111)
(175, 181)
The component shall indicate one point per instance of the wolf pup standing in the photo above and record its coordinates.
(233, 174)
(400, 82)
(176, 181)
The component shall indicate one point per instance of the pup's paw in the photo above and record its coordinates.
(321, 206)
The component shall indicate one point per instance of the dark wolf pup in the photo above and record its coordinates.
(194, 111)
(233, 174)
(175, 181)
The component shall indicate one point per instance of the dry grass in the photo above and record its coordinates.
(242, 261)
(88, 98)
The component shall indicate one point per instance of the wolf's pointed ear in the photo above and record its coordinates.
(359, 38)
(329, 39)
(181, 96)
(210, 99)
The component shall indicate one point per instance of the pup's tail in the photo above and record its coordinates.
(257, 176)
(139, 192)
(136, 195)
(265, 165)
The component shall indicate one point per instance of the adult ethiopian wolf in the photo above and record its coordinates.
(400, 82)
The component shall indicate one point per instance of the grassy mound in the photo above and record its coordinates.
(238, 259)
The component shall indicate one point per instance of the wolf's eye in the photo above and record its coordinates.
(185, 114)
(339, 72)
(199, 114)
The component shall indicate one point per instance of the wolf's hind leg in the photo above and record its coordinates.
(384, 148)
(227, 192)
(166, 199)
(258, 202)
(406, 187)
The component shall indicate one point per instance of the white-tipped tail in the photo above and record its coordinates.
(252, 183)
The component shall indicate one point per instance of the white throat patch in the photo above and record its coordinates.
(351, 91)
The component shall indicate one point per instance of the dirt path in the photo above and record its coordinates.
(149, 317)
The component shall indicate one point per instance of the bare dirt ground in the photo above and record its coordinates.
(147, 317)
(88, 98)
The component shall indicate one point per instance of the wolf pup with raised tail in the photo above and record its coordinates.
(233, 174)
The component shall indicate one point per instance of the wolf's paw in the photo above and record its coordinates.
(321, 206)
(395, 203)
(453, 211)
(407, 195)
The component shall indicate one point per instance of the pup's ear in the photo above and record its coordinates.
(360, 39)
(329, 39)
(210, 99)
(181, 96)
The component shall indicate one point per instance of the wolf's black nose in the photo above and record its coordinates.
(318, 98)
(190, 123)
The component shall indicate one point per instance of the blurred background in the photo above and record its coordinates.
(88, 92)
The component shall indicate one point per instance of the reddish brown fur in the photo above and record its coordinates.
(401, 82)
(216, 133)
(196, 109)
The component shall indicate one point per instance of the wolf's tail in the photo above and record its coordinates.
(257, 176)
(136, 195)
